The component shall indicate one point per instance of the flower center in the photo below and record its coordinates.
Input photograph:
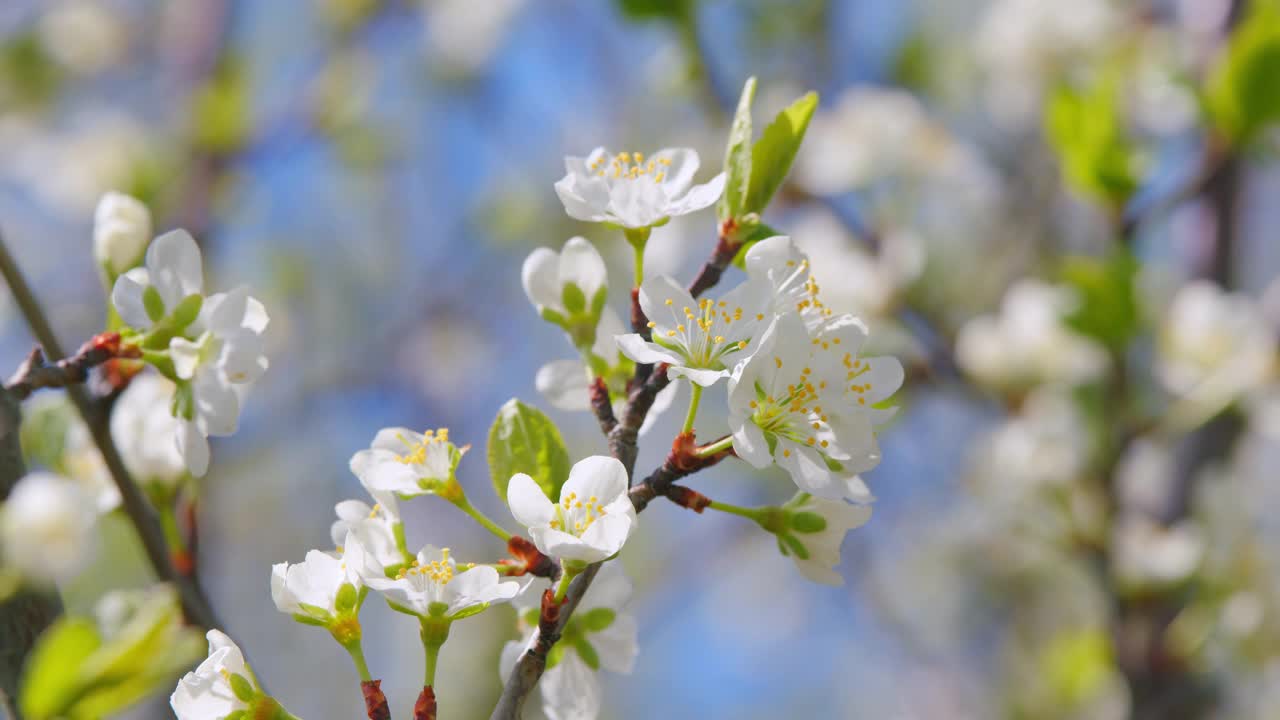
(433, 441)
(630, 166)
(574, 515)
(795, 415)
(699, 336)
(439, 571)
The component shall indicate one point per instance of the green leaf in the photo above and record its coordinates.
(524, 440)
(1240, 93)
(773, 153)
(738, 157)
(1076, 664)
(1108, 310)
(1086, 129)
(655, 9)
(52, 680)
(597, 619)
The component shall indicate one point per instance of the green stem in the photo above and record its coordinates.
(169, 525)
(749, 513)
(433, 654)
(639, 264)
(718, 446)
(694, 399)
(638, 237)
(357, 656)
(465, 506)
(566, 577)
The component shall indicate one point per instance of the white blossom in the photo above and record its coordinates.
(312, 586)
(807, 403)
(1215, 346)
(432, 585)
(627, 190)
(145, 431)
(698, 339)
(1147, 553)
(1045, 445)
(822, 548)
(406, 463)
(576, 273)
(593, 518)
(206, 693)
(121, 231)
(378, 528)
(569, 689)
(1028, 342)
(173, 268)
(47, 527)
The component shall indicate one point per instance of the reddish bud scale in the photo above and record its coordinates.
(687, 498)
(183, 562)
(375, 702)
(425, 708)
(639, 323)
(529, 559)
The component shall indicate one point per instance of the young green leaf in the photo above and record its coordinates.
(53, 679)
(524, 440)
(1108, 310)
(1240, 94)
(737, 157)
(773, 153)
(1086, 129)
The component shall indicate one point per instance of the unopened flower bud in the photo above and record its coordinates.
(121, 232)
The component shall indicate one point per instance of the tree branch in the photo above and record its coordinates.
(195, 605)
(35, 372)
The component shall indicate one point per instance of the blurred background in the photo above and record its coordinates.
(1075, 514)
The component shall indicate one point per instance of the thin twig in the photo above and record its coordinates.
(195, 605)
(35, 372)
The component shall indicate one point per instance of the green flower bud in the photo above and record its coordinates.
(347, 598)
(243, 689)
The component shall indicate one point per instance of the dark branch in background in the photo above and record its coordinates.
(195, 605)
(719, 261)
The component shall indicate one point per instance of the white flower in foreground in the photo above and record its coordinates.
(778, 262)
(817, 534)
(174, 271)
(313, 588)
(144, 430)
(121, 231)
(46, 528)
(207, 692)
(569, 287)
(591, 522)
(409, 464)
(432, 586)
(598, 635)
(632, 192)
(567, 383)
(1215, 346)
(698, 339)
(219, 366)
(806, 403)
(1028, 343)
(378, 528)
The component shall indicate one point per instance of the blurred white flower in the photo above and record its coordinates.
(697, 345)
(869, 134)
(208, 693)
(1045, 445)
(463, 35)
(807, 403)
(591, 522)
(432, 586)
(145, 431)
(174, 271)
(1215, 346)
(1025, 45)
(1148, 554)
(598, 635)
(70, 167)
(121, 232)
(626, 190)
(566, 384)
(822, 546)
(84, 36)
(47, 526)
(378, 528)
(1028, 343)
(82, 462)
(852, 279)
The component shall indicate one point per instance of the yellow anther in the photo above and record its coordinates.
(652, 324)
(778, 361)
(742, 344)
(670, 301)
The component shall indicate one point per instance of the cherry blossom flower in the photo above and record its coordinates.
(47, 526)
(633, 192)
(592, 520)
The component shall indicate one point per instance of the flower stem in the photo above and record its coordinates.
(356, 651)
(718, 446)
(749, 513)
(433, 654)
(639, 264)
(694, 399)
(566, 577)
(465, 506)
(435, 632)
(638, 237)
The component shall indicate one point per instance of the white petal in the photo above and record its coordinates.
(609, 533)
(617, 644)
(807, 469)
(581, 264)
(884, 378)
(186, 357)
(529, 505)
(749, 443)
(654, 294)
(703, 377)
(126, 296)
(700, 196)
(540, 276)
(194, 448)
(564, 384)
(635, 347)
(584, 200)
(570, 690)
(173, 261)
(597, 476)
(679, 173)
(562, 545)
